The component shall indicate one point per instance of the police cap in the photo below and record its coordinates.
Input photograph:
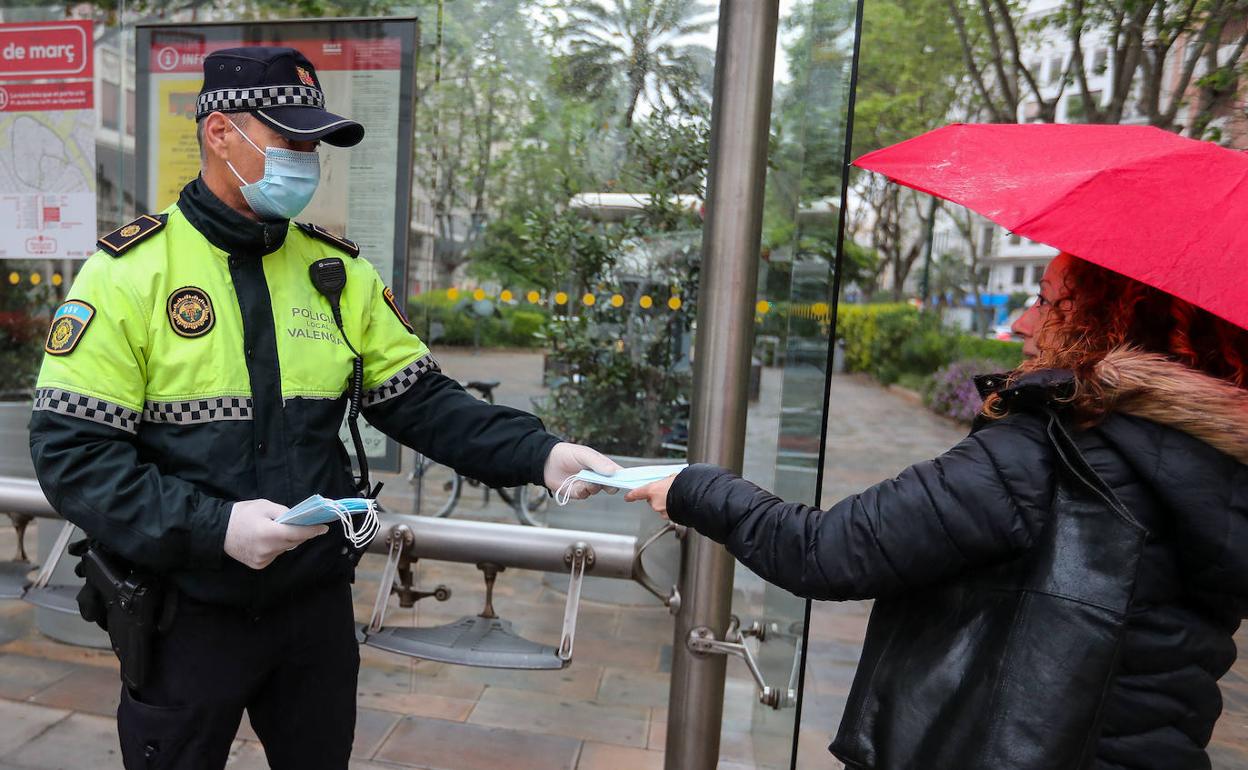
(280, 87)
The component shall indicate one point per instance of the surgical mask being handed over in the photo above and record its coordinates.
(289, 181)
(624, 478)
(322, 510)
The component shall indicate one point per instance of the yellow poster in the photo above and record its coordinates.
(177, 152)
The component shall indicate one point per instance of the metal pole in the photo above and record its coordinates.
(740, 118)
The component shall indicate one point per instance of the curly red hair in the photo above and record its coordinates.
(1097, 311)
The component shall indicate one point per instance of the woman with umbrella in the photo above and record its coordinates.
(1061, 588)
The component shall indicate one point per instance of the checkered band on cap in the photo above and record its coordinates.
(198, 410)
(401, 381)
(248, 99)
(86, 408)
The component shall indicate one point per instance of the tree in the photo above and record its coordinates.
(966, 222)
(488, 69)
(1158, 53)
(635, 49)
(909, 78)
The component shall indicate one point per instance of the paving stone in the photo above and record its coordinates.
(442, 745)
(605, 756)
(634, 688)
(22, 676)
(418, 704)
(612, 653)
(92, 690)
(77, 742)
(657, 739)
(36, 645)
(372, 727)
(20, 722)
(579, 680)
(246, 755)
(552, 715)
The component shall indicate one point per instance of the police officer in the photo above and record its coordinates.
(193, 388)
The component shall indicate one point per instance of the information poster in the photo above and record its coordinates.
(366, 68)
(47, 141)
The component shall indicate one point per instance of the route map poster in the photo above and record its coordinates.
(367, 68)
(47, 140)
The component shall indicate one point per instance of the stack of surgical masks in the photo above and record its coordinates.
(357, 514)
(624, 478)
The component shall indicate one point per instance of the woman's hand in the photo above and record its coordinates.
(654, 493)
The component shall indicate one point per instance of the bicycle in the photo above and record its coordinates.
(427, 474)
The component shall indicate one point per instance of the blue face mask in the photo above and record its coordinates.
(624, 478)
(289, 181)
(358, 516)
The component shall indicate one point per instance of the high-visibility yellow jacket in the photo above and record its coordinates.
(194, 364)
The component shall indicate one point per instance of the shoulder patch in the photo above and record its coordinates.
(320, 233)
(121, 239)
(190, 312)
(388, 296)
(68, 325)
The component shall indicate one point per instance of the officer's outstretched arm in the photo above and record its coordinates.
(408, 398)
(88, 404)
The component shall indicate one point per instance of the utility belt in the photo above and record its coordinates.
(133, 606)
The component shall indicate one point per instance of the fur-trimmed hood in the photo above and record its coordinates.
(1157, 389)
(1185, 437)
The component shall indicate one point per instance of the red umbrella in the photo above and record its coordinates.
(1167, 211)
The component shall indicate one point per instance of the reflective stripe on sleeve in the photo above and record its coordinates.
(86, 408)
(401, 381)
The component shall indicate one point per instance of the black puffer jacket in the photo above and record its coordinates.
(1174, 452)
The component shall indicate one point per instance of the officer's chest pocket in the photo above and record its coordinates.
(314, 360)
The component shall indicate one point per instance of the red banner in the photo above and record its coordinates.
(187, 56)
(40, 97)
(55, 49)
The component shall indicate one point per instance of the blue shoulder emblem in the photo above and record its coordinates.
(69, 323)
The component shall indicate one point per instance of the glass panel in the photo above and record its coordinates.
(801, 220)
(556, 240)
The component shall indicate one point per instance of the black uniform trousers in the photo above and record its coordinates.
(293, 668)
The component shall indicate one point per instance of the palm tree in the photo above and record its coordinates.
(639, 41)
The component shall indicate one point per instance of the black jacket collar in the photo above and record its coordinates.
(227, 229)
(1042, 388)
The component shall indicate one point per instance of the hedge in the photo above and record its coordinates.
(888, 341)
(440, 320)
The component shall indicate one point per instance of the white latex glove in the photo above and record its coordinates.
(253, 538)
(569, 459)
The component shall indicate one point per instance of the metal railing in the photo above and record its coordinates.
(452, 540)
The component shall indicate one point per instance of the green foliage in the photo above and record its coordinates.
(620, 386)
(24, 313)
(629, 50)
(891, 341)
(442, 321)
(909, 72)
(1003, 354)
(868, 332)
(623, 371)
(859, 264)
